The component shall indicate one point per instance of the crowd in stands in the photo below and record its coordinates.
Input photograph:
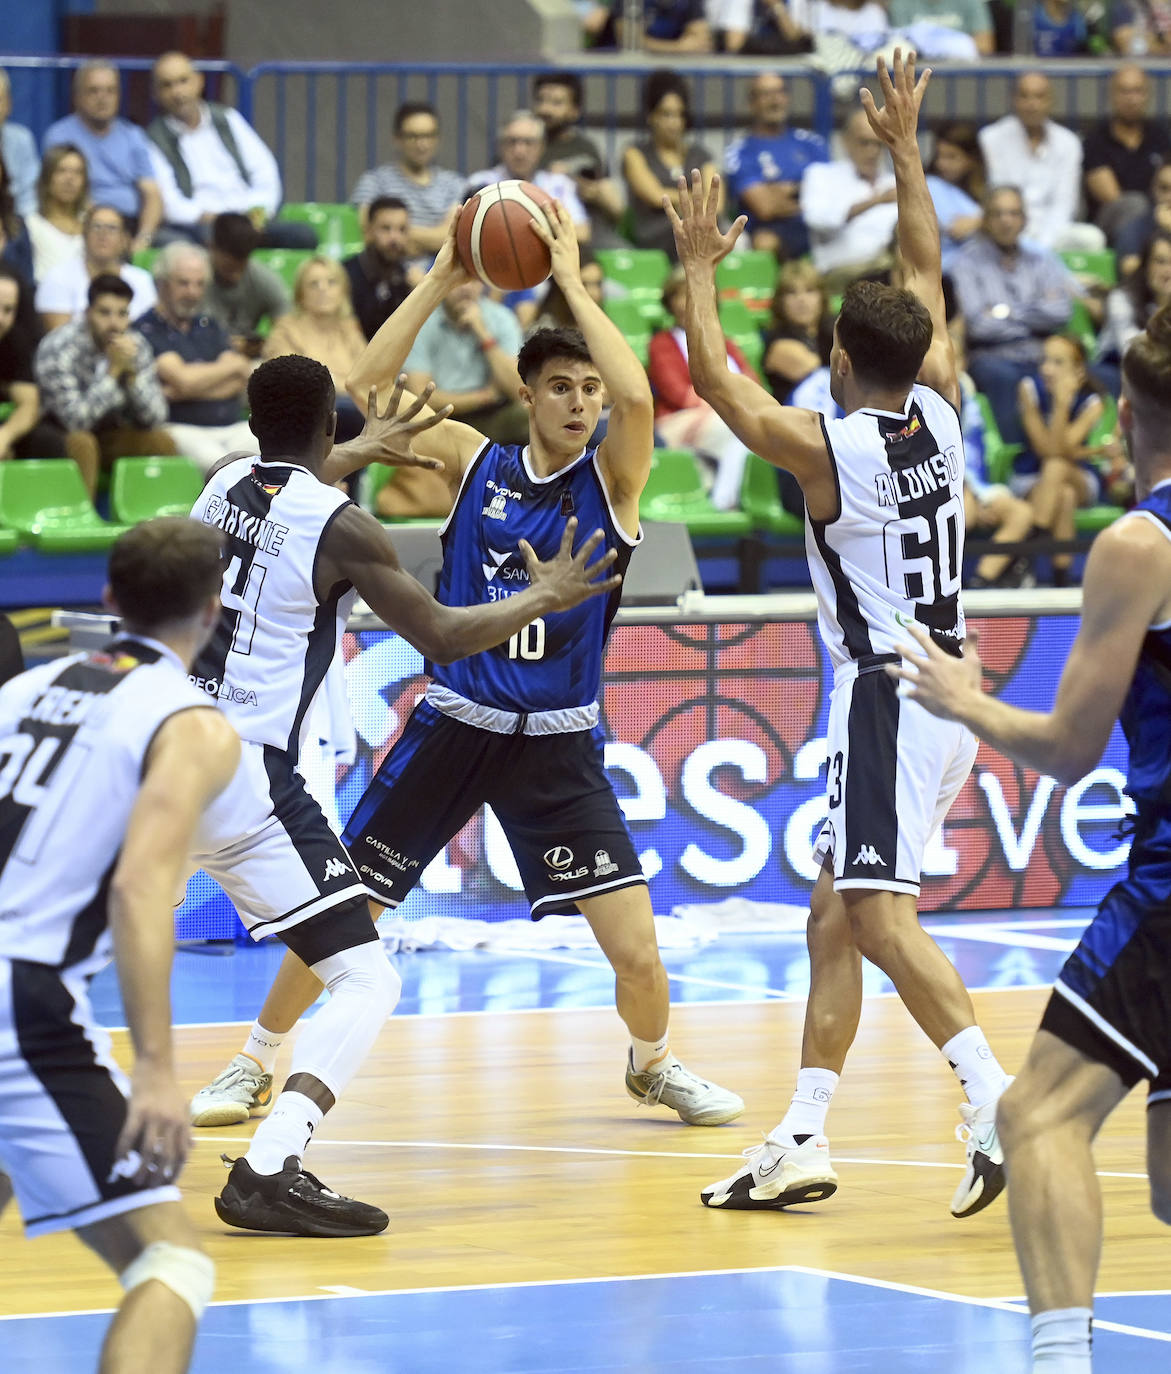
(1056, 251)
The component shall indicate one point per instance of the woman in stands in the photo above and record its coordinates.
(1129, 307)
(957, 182)
(55, 228)
(802, 332)
(322, 326)
(15, 248)
(653, 165)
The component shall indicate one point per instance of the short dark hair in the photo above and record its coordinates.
(886, 331)
(662, 82)
(408, 109)
(107, 284)
(380, 203)
(570, 80)
(88, 215)
(235, 235)
(543, 345)
(290, 398)
(9, 273)
(1146, 366)
(164, 570)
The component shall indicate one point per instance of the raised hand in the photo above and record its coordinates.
(559, 236)
(898, 119)
(387, 437)
(698, 237)
(571, 577)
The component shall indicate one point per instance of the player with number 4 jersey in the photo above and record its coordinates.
(884, 535)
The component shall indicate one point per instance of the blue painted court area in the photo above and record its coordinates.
(788, 1321)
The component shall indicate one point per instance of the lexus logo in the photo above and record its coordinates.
(560, 857)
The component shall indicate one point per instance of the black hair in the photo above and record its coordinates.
(569, 80)
(380, 203)
(107, 284)
(543, 345)
(165, 570)
(291, 399)
(661, 82)
(408, 109)
(235, 235)
(886, 331)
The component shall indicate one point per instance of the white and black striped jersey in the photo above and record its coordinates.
(895, 550)
(275, 640)
(74, 735)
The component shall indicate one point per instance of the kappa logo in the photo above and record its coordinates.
(559, 857)
(335, 869)
(870, 856)
(603, 864)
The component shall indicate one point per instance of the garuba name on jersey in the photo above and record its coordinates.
(894, 552)
(555, 662)
(275, 640)
(73, 739)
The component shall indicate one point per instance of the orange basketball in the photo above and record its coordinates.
(493, 236)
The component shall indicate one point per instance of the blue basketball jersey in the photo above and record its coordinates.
(1146, 713)
(556, 661)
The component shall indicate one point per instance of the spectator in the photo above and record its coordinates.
(1013, 296)
(1059, 29)
(24, 434)
(98, 380)
(652, 166)
(203, 376)
(379, 278)
(321, 326)
(849, 206)
(55, 226)
(18, 152)
(242, 292)
(802, 332)
(1058, 411)
(209, 160)
(956, 180)
(468, 349)
(763, 169)
(971, 17)
(431, 194)
(522, 146)
(116, 152)
(557, 103)
(777, 28)
(62, 294)
(1042, 159)
(554, 310)
(1141, 28)
(15, 248)
(682, 419)
(1123, 153)
(1129, 307)
(668, 26)
(1133, 240)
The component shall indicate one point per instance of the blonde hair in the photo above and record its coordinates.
(795, 276)
(337, 274)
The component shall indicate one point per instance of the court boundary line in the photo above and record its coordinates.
(890, 1285)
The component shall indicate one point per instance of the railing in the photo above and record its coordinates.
(327, 122)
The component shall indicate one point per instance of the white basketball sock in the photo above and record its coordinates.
(810, 1104)
(1062, 1340)
(263, 1046)
(980, 1075)
(646, 1054)
(286, 1131)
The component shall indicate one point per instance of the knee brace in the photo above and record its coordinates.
(189, 1274)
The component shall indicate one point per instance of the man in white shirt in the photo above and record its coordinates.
(522, 145)
(208, 159)
(849, 206)
(1026, 149)
(63, 293)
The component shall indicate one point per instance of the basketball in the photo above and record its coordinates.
(494, 240)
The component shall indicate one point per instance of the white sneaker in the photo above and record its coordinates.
(242, 1090)
(698, 1102)
(776, 1175)
(983, 1180)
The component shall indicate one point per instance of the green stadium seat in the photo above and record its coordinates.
(750, 276)
(1081, 326)
(1091, 519)
(675, 492)
(998, 455)
(635, 326)
(142, 488)
(760, 499)
(642, 271)
(1100, 267)
(742, 326)
(285, 262)
(9, 542)
(336, 222)
(145, 258)
(45, 501)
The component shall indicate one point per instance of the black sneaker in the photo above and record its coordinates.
(292, 1202)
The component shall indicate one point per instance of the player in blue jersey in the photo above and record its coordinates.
(1108, 1022)
(517, 727)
